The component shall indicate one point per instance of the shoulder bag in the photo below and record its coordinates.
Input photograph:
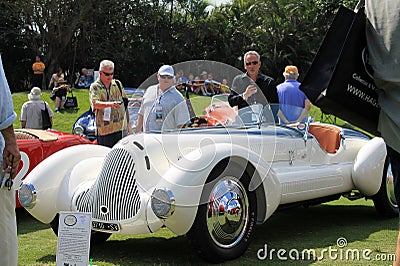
(71, 101)
(340, 81)
(46, 121)
(124, 99)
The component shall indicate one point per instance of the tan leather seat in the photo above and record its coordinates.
(43, 135)
(328, 136)
(23, 135)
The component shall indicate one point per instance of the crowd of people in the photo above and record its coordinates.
(58, 82)
(164, 108)
(202, 84)
(102, 92)
(242, 92)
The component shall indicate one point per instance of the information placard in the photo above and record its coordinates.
(73, 239)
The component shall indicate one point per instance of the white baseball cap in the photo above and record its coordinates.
(166, 70)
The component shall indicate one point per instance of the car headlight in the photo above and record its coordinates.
(27, 195)
(78, 130)
(163, 203)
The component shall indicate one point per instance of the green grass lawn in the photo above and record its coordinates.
(314, 228)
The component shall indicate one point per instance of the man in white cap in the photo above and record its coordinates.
(163, 106)
(9, 164)
(31, 111)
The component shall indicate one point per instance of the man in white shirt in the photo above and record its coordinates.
(163, 106)
(9, 164)
(31, 111)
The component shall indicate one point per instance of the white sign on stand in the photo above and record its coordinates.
(73, 239)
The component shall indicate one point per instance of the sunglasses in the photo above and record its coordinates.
(166, 77)
(107, 74)
(249, 63)
(7, 181)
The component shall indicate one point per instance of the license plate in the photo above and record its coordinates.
(105, 226)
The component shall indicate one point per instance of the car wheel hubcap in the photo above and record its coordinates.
(390, 187)
(228, 212)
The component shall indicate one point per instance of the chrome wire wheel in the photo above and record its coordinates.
(390, 187)
(226, 218)
(385, 200)
(228, 212)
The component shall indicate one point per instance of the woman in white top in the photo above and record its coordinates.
(55, 78)
(31, 115)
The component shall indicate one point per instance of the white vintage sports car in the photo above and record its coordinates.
(213, 184)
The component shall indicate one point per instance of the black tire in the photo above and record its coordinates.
(96, 238)
(223, 232)
(385, 200)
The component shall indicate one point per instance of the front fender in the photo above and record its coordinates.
(52, 182)
(368, 167)
(186, 180)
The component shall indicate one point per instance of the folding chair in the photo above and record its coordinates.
(328, 118)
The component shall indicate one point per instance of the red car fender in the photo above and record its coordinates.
(36, 145)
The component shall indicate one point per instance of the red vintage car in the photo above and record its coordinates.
(36, 145)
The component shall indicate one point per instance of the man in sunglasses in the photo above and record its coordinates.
(9, 165)
(244, 91)
(106, 98)
(163, 106)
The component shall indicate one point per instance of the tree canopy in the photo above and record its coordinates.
(139, 36)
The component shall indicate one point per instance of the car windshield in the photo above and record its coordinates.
(135, 97)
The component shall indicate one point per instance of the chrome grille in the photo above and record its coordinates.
(114, 195)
